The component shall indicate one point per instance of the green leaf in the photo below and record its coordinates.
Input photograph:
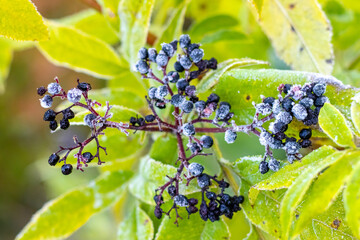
(240, 87)
(93, 23)
(164, 149)
(352, 201)
(175, 24)
(285, 177)
(223, 35)
(355, 112)
(6, 55)
(56, 219)
(135, 19)
(212, 78)
(333, 123)
(137, 225)
(212, 24)
(19, 20)
(320, 196)
(191, 229)
(300, 33)
(74, 49)
(297, 190)
(152, 174)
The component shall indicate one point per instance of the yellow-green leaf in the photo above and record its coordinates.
(135, 20)
(352, 201)
(297, 190)
(6, 54)
(74, 49)
(213, 77)
(355, 112)
(325, 190)
(62, 216)
(137, 226)
(300, 32)
(333, 123)
(287, 174)
(19, 20)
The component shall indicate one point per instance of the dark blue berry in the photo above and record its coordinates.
(212, 64)
(66, 169)
(196, 55)
(195, 169)
(269, 100)
(195, 147)
(158, 212)
(88, 156)
(188, 129)
(187, 106)
(53, 159)
(177, 100)
(172, 190)
(68, 113)
(203, 181)
(182, 84)
(152, 53)
(213, 98)
(190, 91)
(320, 101)
(160, 104)
(319, 89)
(206, 141)
(184, 41)
(49, 115)
(287, 88)
(305, 133)
(64, 123)
(173, 76)
(200, 106)
(287, 104)
(193, 201)
(83, 86)
(305, 143)
(152, 92)
(142, 67)
(178, 67)
(263, 167)
(162, 59)
(181, 201)
(168, 49)
(53, 125)
(211, 195)
(150, 118)
(41, 91)
(185, 62)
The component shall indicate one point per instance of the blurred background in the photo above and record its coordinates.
(27, 181)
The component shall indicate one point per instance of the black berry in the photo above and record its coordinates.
(66, 169)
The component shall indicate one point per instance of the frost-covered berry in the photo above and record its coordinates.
(152, 92)
(200, 106)
(88, 156)
(195, 169)
(190, 91)
(299, 112)
(269, 100)
(41, 91)
(142, 67)
(152, 54)
(203, 180)
(150, 118)
(307, 102)
(88, 119)
(263, 167)
(223, 110)
(185, 62)
(53, 159)
(188, 129)
(46, 101)
(178, 67)
(305, 133)
(196, 55)
(54, 88)
(192, 47)
(277, 107)
(284, 117)
(319, 89)
(143, 53)
(161, 92)
(66, 169)
(74, 95)
(177, 100)
(211, 195)
(206, 141)
(172, 190)
(187, 106)
(162, 59)
(83, 86)
(195, 147)
(277, 127)
(64, 123)
(181, 201)
(184, 41)
(168, 49)
(292, 147)
(287, 88)
(267, 139)
(182, 84)
(287, 104)
(274, 164)
(320, 101)
(230, 136)
(213, 98)
(305, 143)
(68, 113)
(173, 76)
(263, 108)
(49, 115)
(291, 158)
(53, 125)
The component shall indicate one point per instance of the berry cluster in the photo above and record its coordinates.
(192, 121)
(295, 102)
(93, 120)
